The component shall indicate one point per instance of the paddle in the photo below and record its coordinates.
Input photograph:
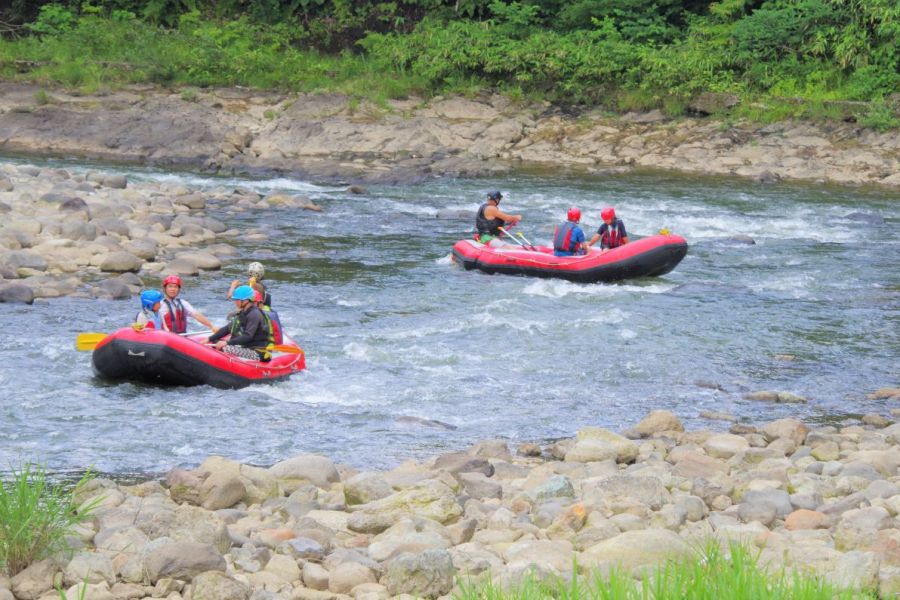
(512, 237)
(530, 245)
(89, 341)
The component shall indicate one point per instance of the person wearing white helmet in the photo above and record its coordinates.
(255, 272)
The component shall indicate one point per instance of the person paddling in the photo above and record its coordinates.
(490, 219)
(611, 233)
(149, 317)
(255, 272)
(568, 239)
(175, 311)
(251, 336)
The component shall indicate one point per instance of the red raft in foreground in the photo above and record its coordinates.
(646, 257)
(160, 357)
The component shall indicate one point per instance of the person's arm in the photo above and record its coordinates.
(580, 244)
(234, 285)
(496, 213)
(219, 334)
(197, 315)
(622, 235)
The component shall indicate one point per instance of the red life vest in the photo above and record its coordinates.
(611, 238)
(176, 316)
(562, 237)
(274, 324)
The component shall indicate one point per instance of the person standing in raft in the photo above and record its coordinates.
(255, 271)
(175, 311)
(568, 239)
(149, 317)
(251, 336)
(490, 219)
(611, 233)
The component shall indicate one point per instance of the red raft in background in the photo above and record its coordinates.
(646, 257)
(164, 358)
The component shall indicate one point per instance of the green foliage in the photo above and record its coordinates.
(880, 116)
(36, 515)
(709, 575)
(53, 19)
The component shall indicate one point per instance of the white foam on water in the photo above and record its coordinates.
(348, 302)
(364, 352)
(431, 330)
(559, 288)
(444, 260)
(616, 315)
(627, 334)
(797, 286)
(186, 450)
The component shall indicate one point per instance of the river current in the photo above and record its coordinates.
(410, 356)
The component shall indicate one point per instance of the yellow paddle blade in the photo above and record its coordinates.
(88, 341)
(287, 349)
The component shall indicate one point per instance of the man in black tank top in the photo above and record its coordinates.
(490, 219)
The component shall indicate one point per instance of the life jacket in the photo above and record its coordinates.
(610, 238)
(562, 238)
(265, 353)
(176, 316)
(485, 225)
(153, 320)
(277, 332)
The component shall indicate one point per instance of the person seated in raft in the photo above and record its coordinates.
(149, 317)
(175, 311)
(568, 239)
(490, 219)
(611, 233)
(271, 315)
(251, 336)
(255, 272)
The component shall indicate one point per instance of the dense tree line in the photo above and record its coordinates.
(634, 52)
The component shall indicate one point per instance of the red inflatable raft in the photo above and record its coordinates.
(646, 257)
(165, 358)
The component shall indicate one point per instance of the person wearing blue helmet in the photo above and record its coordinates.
(149, 316)
(249, 330)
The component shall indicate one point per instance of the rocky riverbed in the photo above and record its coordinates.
(92, 233)
(334, 137)
(820, 499)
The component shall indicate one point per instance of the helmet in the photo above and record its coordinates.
(150, 297)
(495, 195)
(242, 292)
(256, 269)
(172, 279)
(608, 213)
(574, 214)
(257, 296)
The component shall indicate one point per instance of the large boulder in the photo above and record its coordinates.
(620, 490)
(89, 567)
(16, 293)
(656, 422)
(121, 262)
(311, 468)
(425, 575)
(792, 429)
(725, 445)
(431, 499)
(34, 581)
(412, 534)
(202, 260)
(634, 551)
(596, 444)
(366, 487)
(181, 560)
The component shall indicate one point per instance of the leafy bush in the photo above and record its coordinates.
(36, 516)
(53, 19)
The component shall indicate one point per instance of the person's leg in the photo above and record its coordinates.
(241, 352)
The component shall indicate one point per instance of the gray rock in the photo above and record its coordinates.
(120, 262)
(709, 103)
(89, 567)
(347, 576)
(16, 293)
(35, 580)
(366, 487)
(868, 218)
(214, 585)
(558, 486)
(74, 204)
(295, 471)
(478, 486)
(115, 289)
(145, 249)
(463, 462)
(25, 259)
(779, 499)
(195, 201)
(428, 574)
(76, 230)
(6, 185)
(119, 182)
(621, 488)
(182, 560)
(111, 225)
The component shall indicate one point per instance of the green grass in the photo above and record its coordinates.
(37, 515)
(710, 575)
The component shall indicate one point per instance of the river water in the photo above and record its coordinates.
(410, 356)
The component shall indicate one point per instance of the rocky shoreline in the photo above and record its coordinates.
(332, 137)
(95, 234)
(822, 500)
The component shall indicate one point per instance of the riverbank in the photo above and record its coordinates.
(823, 500)
(333, 137)
(92, 233)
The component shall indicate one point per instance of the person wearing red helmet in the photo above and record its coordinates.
(568, 239)
(175, 311)
(274, 321)
(611, 233)
(490, 219)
